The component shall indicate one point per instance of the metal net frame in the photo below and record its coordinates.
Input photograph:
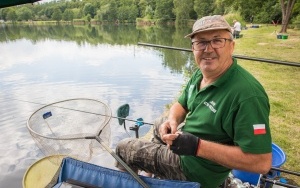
(69, 127)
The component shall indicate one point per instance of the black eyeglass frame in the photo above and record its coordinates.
(209, 42)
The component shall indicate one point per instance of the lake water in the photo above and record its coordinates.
(45, 64)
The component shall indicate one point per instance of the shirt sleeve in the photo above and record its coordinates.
(251, 125)
(183, 98)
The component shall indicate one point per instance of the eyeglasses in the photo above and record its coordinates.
(215, 43)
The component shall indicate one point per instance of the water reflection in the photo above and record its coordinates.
(45, 64)
(107, 34)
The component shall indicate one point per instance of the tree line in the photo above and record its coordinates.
(257, 11)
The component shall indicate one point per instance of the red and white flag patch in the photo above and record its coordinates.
(259, 129)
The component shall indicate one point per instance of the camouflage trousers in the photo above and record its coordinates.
(150, 156)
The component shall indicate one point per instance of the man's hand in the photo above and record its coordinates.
(168, 127)
(185, 144)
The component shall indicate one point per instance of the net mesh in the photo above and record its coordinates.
(61, 128)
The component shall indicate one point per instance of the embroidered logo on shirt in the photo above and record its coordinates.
(211, 105)
(259, 129)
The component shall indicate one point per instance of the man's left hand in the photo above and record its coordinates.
(185, 144)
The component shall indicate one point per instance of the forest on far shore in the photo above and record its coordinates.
(180, 11)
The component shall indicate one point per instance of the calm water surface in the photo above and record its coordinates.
(43, 67)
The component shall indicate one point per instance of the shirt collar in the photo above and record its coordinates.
(226, 75)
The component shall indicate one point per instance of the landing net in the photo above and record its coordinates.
(65, 128)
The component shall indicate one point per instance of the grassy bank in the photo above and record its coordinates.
(281, 83)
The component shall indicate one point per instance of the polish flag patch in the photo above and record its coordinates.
(259, 129)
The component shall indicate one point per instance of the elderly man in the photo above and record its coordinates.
(225, 113)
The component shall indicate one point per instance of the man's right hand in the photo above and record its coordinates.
(168, 127)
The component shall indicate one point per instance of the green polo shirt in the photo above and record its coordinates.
(233, 110)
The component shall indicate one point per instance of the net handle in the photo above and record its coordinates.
(135, 176)
(71, 138)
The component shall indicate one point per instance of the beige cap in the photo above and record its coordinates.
(209, 23)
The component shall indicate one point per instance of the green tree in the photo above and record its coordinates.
(122, 13)
(3, 13)
(102, 13)
(49, 11)
(108, 12)
(77, 13)
(220, 7)
(132, 13)
(149, 12)
(249, 8)
(24, 13)
(57, 15)
(11, 15)
(146, 8)
(41, 13)
(296, 9)
(68, 15)
(268, 12)
(203, 8)
(182, 9)
(142, 6)
(89, 9)
(127, 10)
(164, 9)
(112, 11)
(88, 18)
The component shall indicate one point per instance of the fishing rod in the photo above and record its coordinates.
(116, 117)
(295, 64)
(265, 179)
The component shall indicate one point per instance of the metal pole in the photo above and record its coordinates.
(286, 171)
(295, 64)
(278, 183)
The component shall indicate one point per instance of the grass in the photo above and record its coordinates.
(281, 83)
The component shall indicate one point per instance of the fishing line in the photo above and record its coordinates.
(42, 104)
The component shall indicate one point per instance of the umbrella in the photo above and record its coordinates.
(8, 3)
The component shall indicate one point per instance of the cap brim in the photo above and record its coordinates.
(208, 29)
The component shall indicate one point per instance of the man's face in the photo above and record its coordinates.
(213, 61)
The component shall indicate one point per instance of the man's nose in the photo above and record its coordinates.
(208, 47)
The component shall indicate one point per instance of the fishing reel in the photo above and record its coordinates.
(139, 122)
